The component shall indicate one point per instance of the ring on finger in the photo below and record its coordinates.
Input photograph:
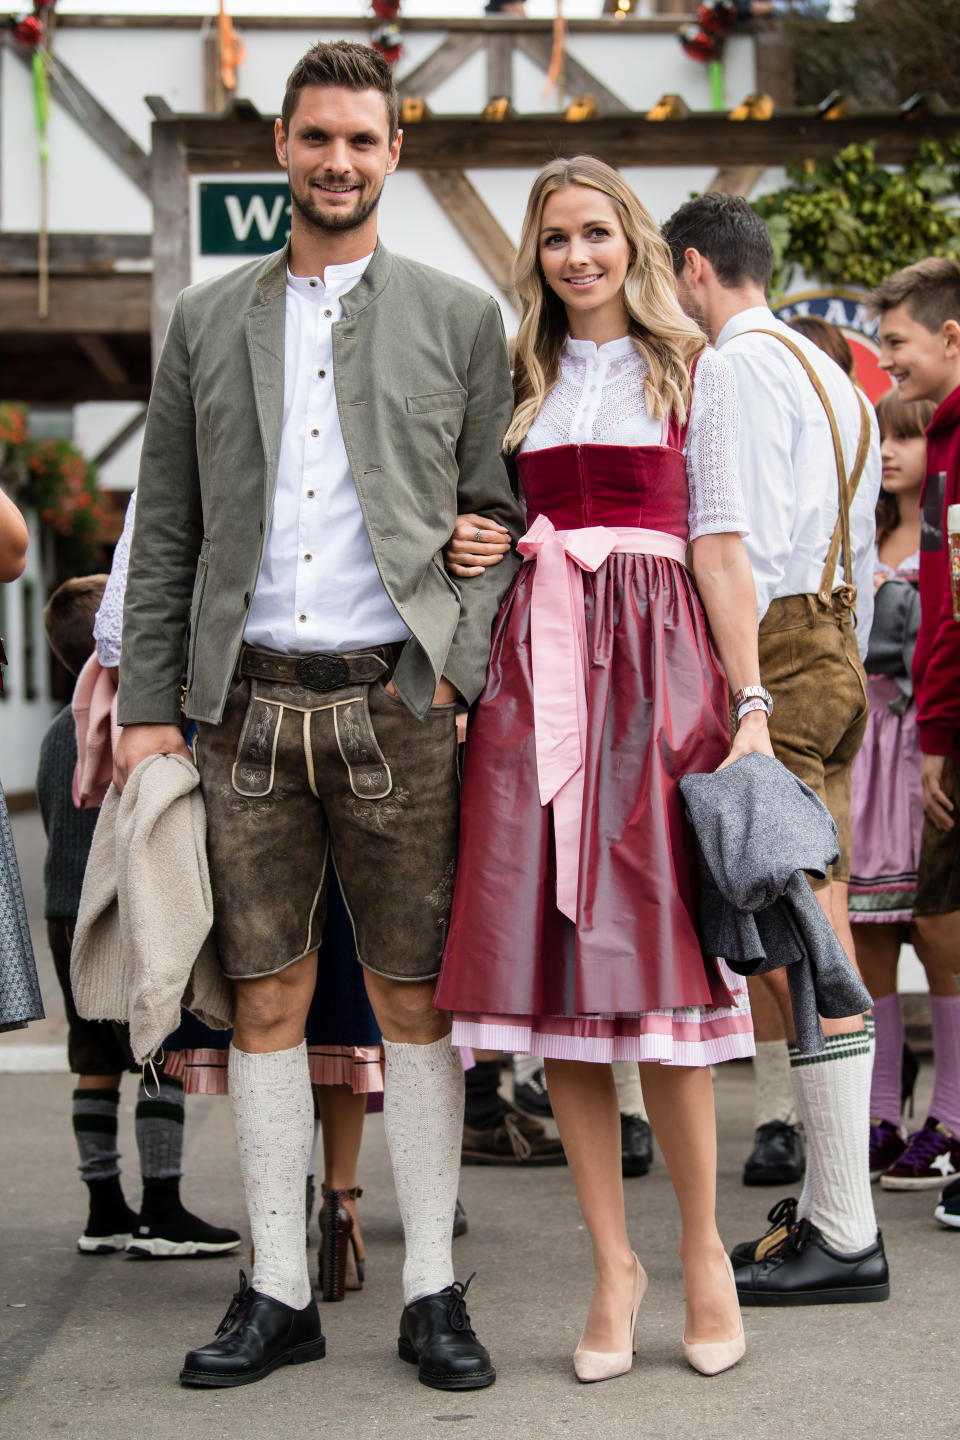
(479, 537)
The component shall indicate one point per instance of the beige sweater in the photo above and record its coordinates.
(143, 944)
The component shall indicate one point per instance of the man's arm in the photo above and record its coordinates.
(483, 489)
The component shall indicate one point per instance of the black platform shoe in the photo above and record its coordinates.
(436, 1335)
(808, 1271)
(255, 1336)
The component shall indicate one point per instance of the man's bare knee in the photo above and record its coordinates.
(274, 1007)
(405, 1010)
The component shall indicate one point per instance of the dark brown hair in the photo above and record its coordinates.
(728, 232)
(829, 337)
(68, 618)
(903, 419)
(348, 65)
(930, 289)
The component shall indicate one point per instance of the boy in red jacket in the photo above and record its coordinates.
(919, 309)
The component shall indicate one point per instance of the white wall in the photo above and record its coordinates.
(23, 721)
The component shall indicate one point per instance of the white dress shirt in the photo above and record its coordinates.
(787, 466)
(599, 397)
(319, 588)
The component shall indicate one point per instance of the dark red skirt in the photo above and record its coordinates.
(657, 709)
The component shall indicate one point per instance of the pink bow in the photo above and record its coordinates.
(559, 651)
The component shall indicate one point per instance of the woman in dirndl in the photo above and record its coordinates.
(573, 934)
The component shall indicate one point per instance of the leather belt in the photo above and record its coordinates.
(321, 672)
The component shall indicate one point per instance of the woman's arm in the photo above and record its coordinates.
(725, 582)
(465, 556)
(13, 540)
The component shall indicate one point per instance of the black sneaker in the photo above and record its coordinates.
(782, 1219)
(776, 1157)
(948, 1208)
(636, 1145)
(177, 1235)
(107, 1236)
(531, 1096)
(514, 1140)
(808, 1271)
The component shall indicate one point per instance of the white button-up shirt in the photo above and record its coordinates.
(787, 466)
(318, 588)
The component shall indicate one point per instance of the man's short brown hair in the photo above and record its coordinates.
(68, 619)
(930, 289)
(348, 65)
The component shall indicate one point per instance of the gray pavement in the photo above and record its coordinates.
(90, 1347)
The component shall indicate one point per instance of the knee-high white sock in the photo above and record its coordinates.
(832, 1091)
(772, 1091)
(626, 1077)
(423, 1123)
(273, 1117)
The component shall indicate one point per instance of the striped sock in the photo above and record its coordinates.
(159, 1128)
(832, 1091)
(95, 1128)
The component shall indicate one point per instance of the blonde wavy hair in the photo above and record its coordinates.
(661, 332)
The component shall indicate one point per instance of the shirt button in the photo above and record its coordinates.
(308, 557)
(328, 313)
(302, 619)
(310, 494)
(314, 433)
(321, 373)
(314, 284)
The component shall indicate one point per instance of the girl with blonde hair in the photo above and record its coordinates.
(573, 933)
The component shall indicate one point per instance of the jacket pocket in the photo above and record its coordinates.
(199, 585)
(438, 400)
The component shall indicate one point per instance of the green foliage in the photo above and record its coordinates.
(54, 477)
(852, 221)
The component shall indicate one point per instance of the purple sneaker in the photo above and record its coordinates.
(931, 1156)
(886, 1146)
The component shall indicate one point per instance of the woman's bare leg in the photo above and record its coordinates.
(584, 1100)
(680, 1106)
(341, 1116)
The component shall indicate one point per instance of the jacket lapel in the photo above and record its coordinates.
(265, 325)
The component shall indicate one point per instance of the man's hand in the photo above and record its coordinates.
(138, 741)
(446, 693)
(937, 785)
(465, 556)
(752, 734)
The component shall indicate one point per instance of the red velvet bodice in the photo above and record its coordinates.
(617, 485)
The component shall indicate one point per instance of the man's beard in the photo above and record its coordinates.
(338, 221)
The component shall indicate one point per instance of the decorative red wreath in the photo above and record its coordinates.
(386, 38)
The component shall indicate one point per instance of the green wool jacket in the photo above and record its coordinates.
(424, 399)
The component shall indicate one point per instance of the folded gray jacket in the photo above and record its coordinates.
(757, 829)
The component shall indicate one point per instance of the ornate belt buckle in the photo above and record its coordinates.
(323, 672)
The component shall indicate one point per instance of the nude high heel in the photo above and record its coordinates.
(591, 1365)
(711, 1357)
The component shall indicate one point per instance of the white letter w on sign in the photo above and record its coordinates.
(256, 212)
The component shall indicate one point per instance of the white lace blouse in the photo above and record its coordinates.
(599, 397)
(109, 622)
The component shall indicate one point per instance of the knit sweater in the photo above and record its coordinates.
(69, 830)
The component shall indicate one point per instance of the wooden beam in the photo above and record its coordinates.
(103, 360)
(70, 92)
(478, 226)
(736, 179)
(440, 64)
(577, 79)
(70, 252)
(411, 23)
(127, 432)
(117, 304)
(171, 217)
(500, 66)
(460, 143)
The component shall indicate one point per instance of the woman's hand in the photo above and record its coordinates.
(465, 555)
(752, 734)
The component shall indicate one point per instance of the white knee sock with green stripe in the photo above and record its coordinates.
(832, 1092)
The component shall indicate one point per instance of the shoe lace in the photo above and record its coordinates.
(924, 1145)
(522, 1147)
(235, 1306)
(793, 1244)
(784, 1213)
(457, 1306)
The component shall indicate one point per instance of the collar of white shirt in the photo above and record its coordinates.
(335, 281)
(758, 316)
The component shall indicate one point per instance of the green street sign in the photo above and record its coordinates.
(243, 217)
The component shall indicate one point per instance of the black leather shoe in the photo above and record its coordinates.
(255, 1336)
(636, 1145)
(436, 1335)
(776, 1157)
(782, 1219)
(808, 1271)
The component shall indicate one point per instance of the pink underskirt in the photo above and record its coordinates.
(204, 1072)
(672, 1037)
